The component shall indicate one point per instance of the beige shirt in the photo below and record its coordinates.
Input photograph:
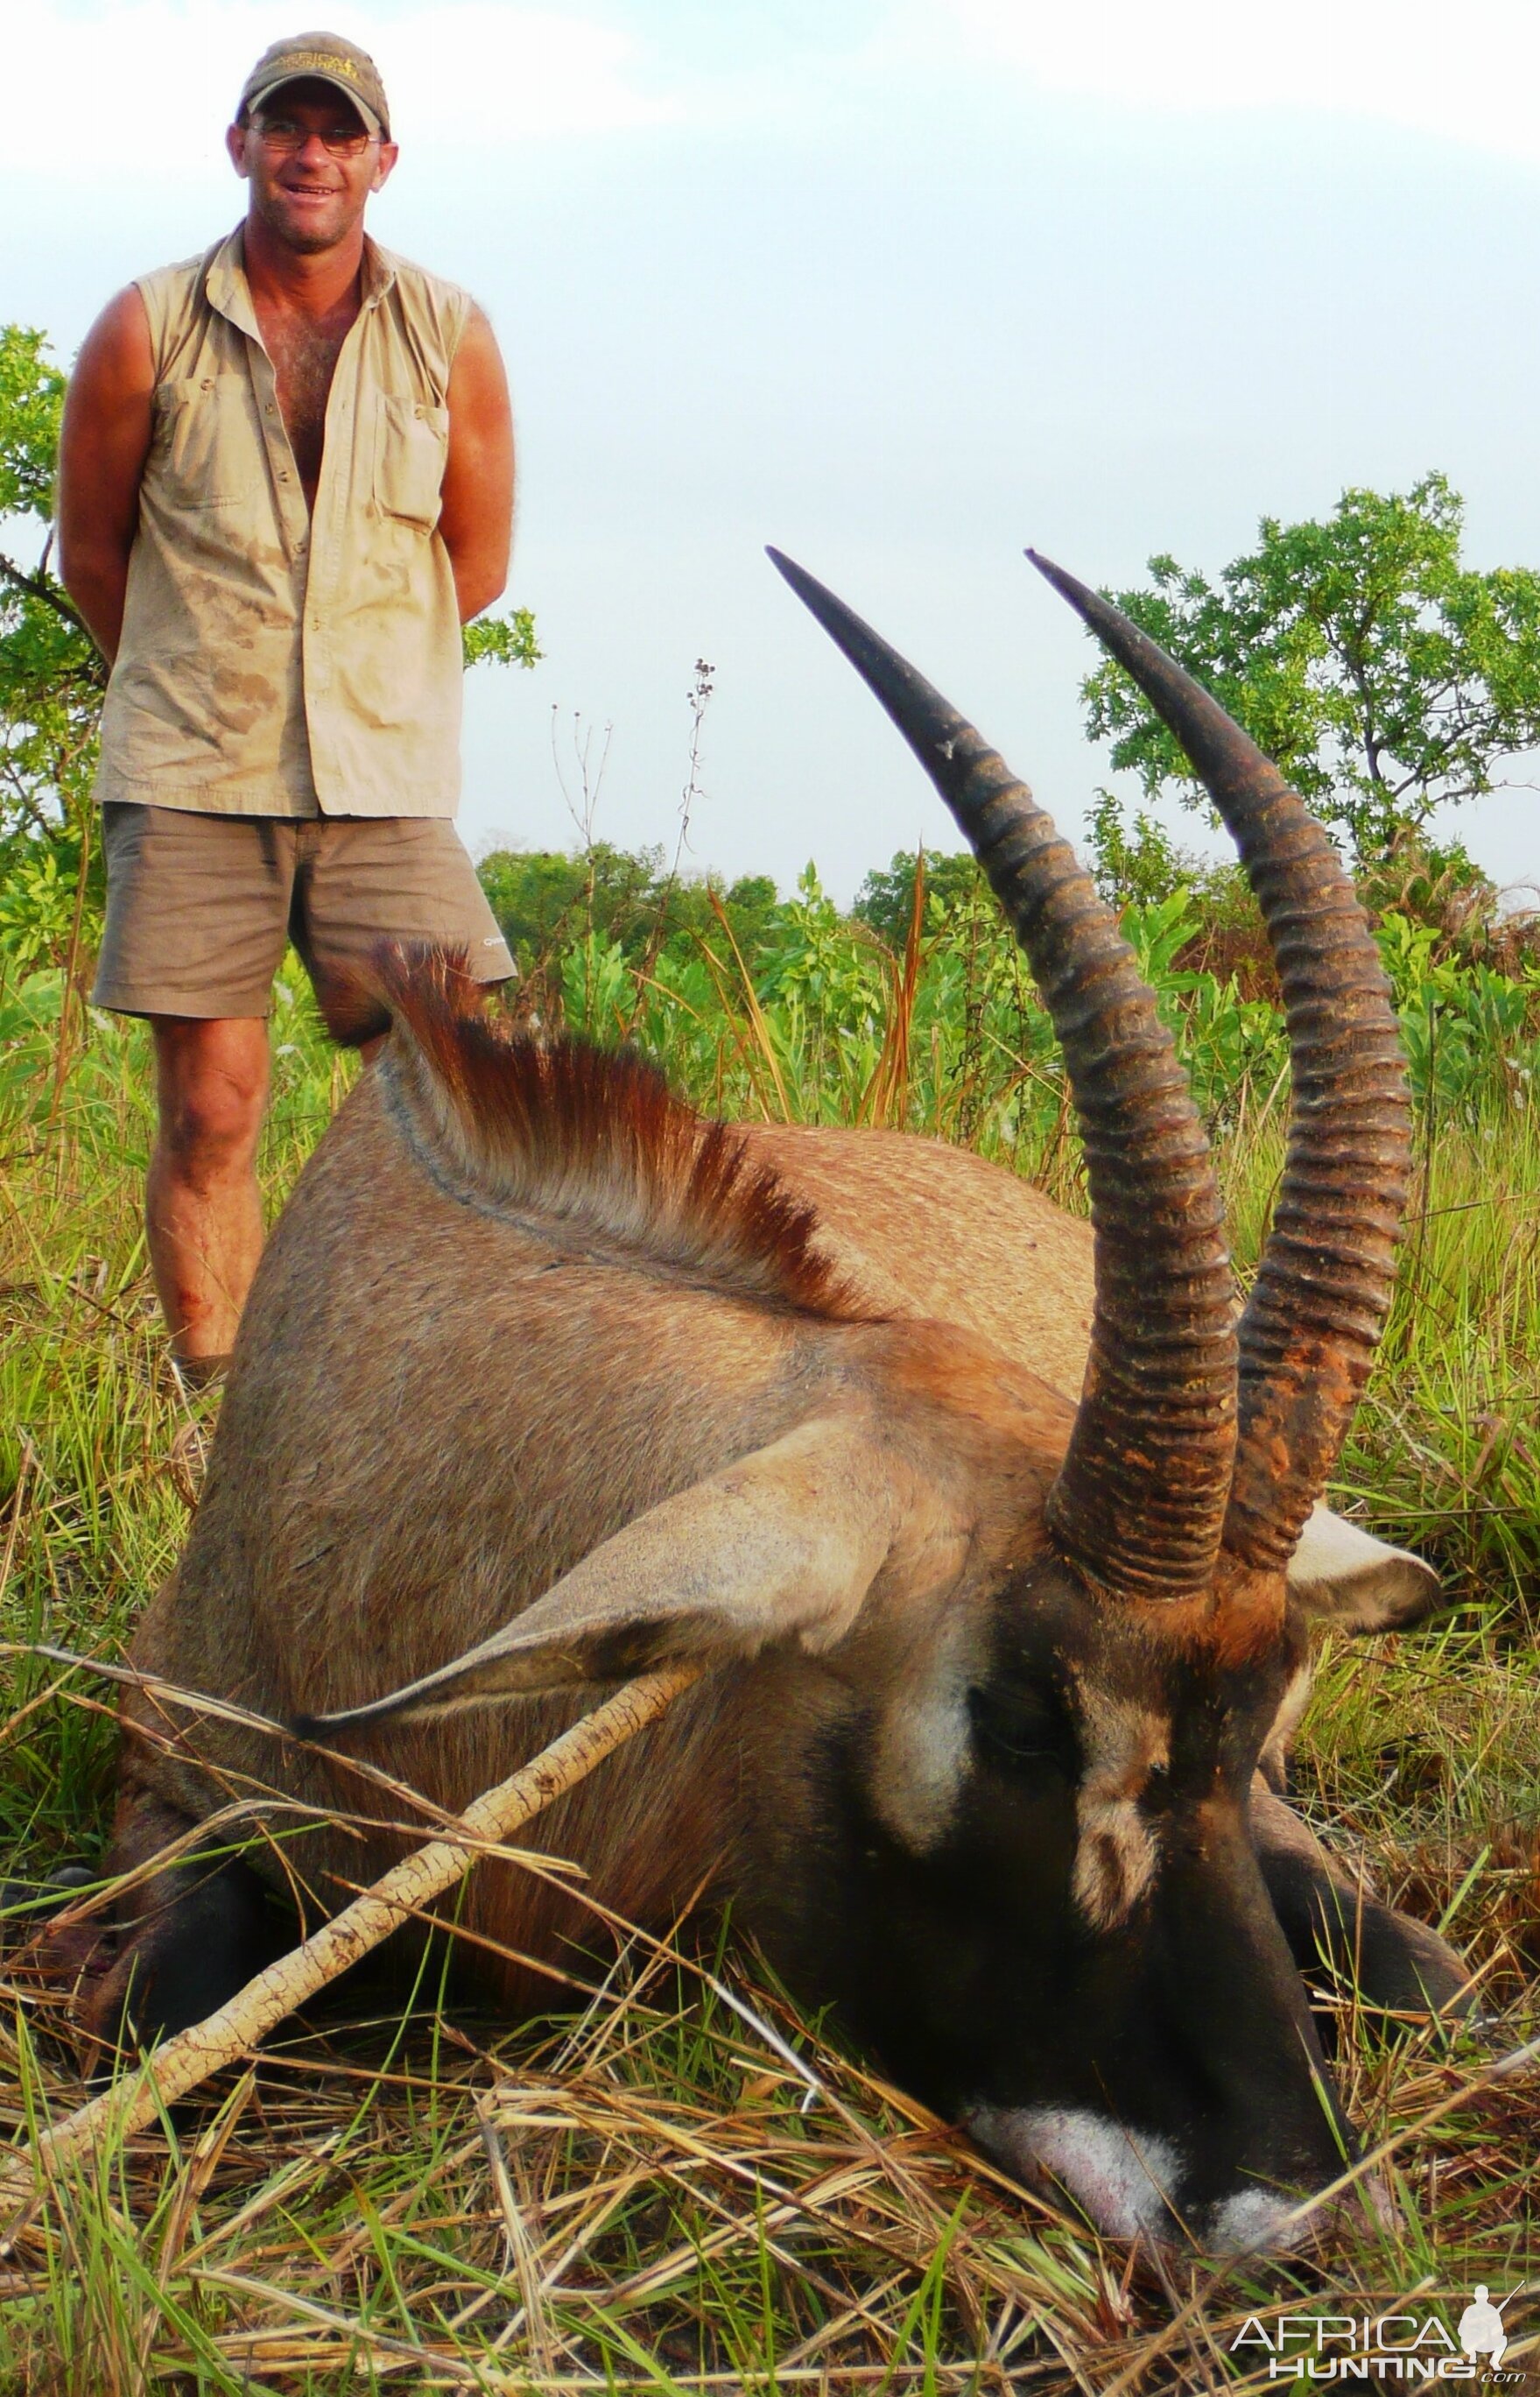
(272, 663)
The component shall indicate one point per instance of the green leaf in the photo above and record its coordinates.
(1384, 677)
(501, 640)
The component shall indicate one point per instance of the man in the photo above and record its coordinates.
(285, 481)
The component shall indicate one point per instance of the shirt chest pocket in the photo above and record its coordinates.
(207, 443)
(411, 449)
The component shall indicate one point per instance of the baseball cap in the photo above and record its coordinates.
(329, 59)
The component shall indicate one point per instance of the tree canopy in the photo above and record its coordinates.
(51, 674)
(1385, 677)
(544, 899)
(885, 899)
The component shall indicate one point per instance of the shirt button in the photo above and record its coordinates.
(269, 408)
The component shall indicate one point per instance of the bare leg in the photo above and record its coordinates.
(203, 1209)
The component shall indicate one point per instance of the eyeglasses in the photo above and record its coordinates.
(281, 134)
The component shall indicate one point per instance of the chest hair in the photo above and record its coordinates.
(304, 352)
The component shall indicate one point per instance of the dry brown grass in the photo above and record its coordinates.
(683, 2186)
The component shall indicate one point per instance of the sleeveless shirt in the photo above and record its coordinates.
(272, 663)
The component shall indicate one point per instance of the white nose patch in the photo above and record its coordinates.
(1122, 2177)
(1115, 1858)
(1128, 2181)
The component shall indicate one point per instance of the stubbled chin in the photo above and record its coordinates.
(306, 228)
(1129, 2182)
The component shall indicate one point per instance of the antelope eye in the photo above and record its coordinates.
(1020, 1727)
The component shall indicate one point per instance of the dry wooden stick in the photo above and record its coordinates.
(240, 2025)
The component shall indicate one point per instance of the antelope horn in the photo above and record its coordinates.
(1318, 1306)
(1139, 1501)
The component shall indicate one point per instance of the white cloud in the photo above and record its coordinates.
(151, 84)
(1470, 72)
(473, 75)
(479, 73)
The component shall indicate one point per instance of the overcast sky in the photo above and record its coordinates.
(900, 286)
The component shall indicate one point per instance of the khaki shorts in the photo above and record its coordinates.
(201, 907)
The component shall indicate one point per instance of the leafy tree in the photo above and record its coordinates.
(1137, 862)
(1385, 678)
(885, 899)
(501, 640)
(51, 674)
(544, 900)
(52, 678)
(752, 905)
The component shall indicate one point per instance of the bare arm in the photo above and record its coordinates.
(476, 516)
(103, 448)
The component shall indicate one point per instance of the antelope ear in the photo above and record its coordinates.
(783, 1545)
(1344, 1577)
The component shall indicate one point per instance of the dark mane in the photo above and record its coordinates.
(590, 1139)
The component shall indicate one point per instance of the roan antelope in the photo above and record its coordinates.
(545, 1379)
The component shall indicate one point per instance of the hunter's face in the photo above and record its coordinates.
(310, 163)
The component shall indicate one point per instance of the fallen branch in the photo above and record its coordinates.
(239, 2026)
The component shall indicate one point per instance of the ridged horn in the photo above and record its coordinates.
(1323, 1291)
(1139, 1503)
